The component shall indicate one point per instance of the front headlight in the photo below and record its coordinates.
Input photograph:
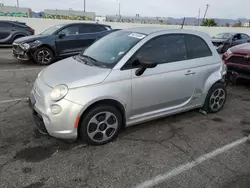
(25, 46)
(59, 92)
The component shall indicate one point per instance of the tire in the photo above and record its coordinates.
(43, 56)
(100, 121)
(216, 98)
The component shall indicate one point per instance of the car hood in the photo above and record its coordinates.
(241, 49)
(218, 40)
(73, 74)
(29, 38)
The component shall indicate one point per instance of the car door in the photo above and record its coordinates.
(68, 42)
(5, 32)
(170, 84)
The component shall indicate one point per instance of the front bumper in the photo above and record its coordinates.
(60, 125)
(20, 54)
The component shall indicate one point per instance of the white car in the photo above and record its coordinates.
(125, 78)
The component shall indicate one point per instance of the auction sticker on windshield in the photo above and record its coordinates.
(137, 35)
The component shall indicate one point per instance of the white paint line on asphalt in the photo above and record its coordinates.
(23, 69)
(13, 100)
(180, 169)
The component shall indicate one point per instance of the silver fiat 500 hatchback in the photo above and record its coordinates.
(125, 78)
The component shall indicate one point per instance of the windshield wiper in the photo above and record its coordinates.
(86, 59)
(93, 61)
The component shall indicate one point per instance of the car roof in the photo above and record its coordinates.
(151, 30)
(10, 21)
(67, 24)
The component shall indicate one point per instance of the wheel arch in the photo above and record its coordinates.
(46, 46)
(111, 102)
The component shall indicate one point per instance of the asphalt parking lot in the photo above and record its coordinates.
(164, 147)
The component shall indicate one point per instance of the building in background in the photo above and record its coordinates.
(136, 19)
(69, 15)
(246, 24)
(15, 12)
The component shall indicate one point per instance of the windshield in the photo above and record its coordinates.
(51, 30)
(223, 36)
(108, 50)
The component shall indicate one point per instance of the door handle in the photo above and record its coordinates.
(189, 72)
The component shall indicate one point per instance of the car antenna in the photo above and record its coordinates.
(183, 22)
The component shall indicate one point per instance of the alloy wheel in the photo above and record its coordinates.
(102, 126)
(217, 99)
(44, 56)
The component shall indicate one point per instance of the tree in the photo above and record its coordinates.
(209, 22)
(227, 25)
(238, 24)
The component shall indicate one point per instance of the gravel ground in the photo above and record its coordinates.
(31, 160)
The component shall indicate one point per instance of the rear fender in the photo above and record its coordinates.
(217, 76)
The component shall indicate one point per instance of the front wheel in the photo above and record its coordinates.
(43, 56)
(100, 125)
(216, 98)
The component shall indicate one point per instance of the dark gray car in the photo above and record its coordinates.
(12, 30)
(224, 41)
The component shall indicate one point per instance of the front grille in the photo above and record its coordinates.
(239, 60)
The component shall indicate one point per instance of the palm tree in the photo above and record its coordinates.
(209, 22)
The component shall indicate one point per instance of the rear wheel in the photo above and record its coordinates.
(100, 125)
(43, 56)
(216, 98)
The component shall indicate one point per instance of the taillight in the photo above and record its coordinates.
(248, 40)
(32, 31)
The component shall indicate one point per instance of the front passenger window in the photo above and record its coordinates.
(163, 49)
(71, 30)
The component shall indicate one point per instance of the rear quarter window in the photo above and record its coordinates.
(196, 47)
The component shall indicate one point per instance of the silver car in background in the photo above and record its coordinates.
(126, 78)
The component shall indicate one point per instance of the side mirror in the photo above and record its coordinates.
(144, 66)
(61, 35)
(148, 65)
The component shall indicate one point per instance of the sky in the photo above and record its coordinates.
(231, 9)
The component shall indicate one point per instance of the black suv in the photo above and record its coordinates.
(59, 41)
(11, 30)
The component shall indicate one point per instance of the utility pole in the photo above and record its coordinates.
(199, 17)
(84, 5)
(205, 12)
(17, 2)
(119, 8)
